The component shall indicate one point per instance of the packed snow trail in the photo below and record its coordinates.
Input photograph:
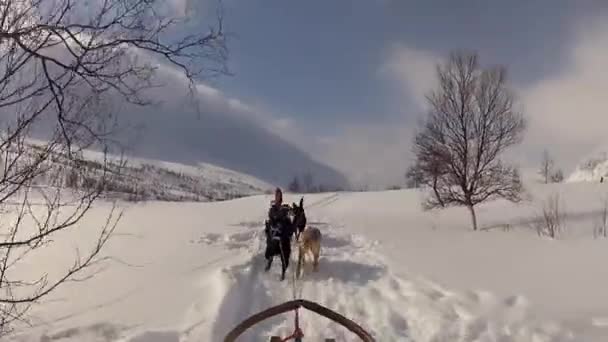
(354, 281)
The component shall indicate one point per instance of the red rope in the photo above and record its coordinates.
(297, 333)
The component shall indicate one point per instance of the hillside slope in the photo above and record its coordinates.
(146, 179)
(137, 179)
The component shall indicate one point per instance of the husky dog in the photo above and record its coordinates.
(309, 238)
(299, 218)
(310, 241)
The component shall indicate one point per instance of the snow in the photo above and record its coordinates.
(192, 271)
(592, 169)
(145, 179)
(210, 172)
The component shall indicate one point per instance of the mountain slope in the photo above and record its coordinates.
(235, 143)
(216, 129)
(146, 179)
(158, 180)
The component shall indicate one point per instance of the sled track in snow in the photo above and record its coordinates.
(353, 280)
(258, 222)
(324, 201)
(253, 290)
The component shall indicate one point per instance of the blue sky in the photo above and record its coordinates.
(319, 60)
(344, 81)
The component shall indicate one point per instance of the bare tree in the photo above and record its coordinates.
(308, 185)
(62, 62)
(472, 120)
(546, 166)
(294, 186)
(551, 222)
(413, 178)
(427, 171)
(601, 227)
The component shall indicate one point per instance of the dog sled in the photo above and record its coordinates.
(298, 334)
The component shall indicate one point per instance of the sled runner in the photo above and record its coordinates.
(298, 334)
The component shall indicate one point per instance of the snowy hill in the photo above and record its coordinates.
(146, 179)
(215, 134)
(191, 271)
(591, 170)
(158, 180)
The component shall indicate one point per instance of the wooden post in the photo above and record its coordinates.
(275, 339)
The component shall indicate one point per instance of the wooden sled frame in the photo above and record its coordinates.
(294, 305)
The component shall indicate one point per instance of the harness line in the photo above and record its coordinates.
(297, 333)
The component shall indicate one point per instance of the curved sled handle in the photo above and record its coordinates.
(295, 304)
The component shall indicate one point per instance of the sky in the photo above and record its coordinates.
(344, 81)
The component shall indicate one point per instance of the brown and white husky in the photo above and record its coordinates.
(309, 238)
(310, 241)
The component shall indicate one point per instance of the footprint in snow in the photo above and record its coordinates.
(249, 224)
(96, 332)
(157, 336)
(210, 239)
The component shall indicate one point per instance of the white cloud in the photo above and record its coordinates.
(213, 99)
(182, 8)
(373, 155)
(568, 112)
(378, 154)
(413, 69)
(179, 7)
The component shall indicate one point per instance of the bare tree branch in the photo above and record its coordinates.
(61, 63)
(546, 167)
(471, 122)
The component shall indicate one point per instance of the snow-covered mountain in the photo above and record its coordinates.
(162, 180)
(159, 180)
(137, 179)
(212, 129)
(229, 142)
(592, 169)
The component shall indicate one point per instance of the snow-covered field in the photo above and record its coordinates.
(191, 271)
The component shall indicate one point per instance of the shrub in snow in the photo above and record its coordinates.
(551, 221)
(601, 224)
(557, 177)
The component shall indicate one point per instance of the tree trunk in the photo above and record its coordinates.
(439, 200)
(473, 216)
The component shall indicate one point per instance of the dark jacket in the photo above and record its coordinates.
(278, 218)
